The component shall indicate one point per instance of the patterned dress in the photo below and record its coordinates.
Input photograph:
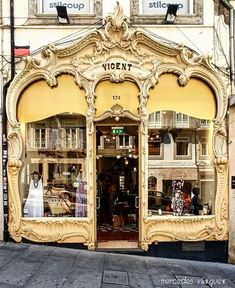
(81, 200)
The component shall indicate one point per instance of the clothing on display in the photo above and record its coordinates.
(34, 203)
(81, 200)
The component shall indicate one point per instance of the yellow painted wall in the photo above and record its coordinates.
(196, 99)
(126, 92)
(39, 101)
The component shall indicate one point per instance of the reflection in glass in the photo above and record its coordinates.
(181, 174)
(53, 179)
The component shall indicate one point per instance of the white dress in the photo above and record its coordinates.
(34, 203)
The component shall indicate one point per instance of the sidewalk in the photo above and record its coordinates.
(39, 266)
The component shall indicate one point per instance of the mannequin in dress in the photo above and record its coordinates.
(34, 203)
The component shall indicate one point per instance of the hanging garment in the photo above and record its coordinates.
(34, 203)
(81, 200)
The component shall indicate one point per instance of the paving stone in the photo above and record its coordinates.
(227, 269)
(117, 262)
(18, 272)
(208, 270)
(152, 262)
(136, 264)
(45, 281)
(138, 280)
(20, 247)
(80, 277)
(66, 252)
(92, 261)
(48, 250)
(8, 286)
(37, 253)
(180, 267)
(56, 266)
(115, 277)
(104, 285)
(7, 256)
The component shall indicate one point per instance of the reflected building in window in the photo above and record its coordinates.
(55, 149)
(179, 148)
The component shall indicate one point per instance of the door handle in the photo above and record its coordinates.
(97, 203)
(137, 202)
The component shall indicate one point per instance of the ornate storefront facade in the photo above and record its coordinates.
(110, 133)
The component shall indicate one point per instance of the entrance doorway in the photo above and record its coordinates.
(117, 181)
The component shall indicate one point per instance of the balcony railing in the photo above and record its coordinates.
(55, 140)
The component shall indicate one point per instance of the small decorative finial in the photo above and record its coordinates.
(117, 18)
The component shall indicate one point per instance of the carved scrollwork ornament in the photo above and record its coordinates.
(144, 245)
(184, 78)
(117, 77)
(14, 166)
(144, 121)
(117, 112)
(90, 119)
(15, 145)
(190, 57)
(91, 246)
(220, 139)
(221, 163)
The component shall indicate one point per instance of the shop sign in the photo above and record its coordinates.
(117, 66)
(73, 6)
(153, 7)
(117, 130)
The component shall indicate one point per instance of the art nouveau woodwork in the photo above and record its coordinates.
(143, 61)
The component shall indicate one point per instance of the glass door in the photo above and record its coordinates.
(117, 181)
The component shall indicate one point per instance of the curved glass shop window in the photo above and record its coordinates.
(53, 179)
(181, 164)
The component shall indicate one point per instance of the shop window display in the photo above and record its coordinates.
(53, 178)
(184, 176)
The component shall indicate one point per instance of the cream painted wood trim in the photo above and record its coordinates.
(149, 59)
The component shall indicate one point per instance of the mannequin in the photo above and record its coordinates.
(34, 203)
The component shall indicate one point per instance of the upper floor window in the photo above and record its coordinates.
(204, 146)
(155, 120)
(182, 146)
(182, 120)
(155, 144)
(40, 137)
(45, 135)
(125, 141)
(204, 123)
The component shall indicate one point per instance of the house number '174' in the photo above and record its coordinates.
(116, 97)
